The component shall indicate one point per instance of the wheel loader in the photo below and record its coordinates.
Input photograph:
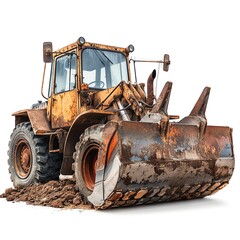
(111, 134)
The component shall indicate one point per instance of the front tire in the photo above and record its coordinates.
(29, 160)
(85, 157)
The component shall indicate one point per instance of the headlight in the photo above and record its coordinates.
(81, 40)
(130, 48)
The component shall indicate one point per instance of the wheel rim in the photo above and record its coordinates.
(89, 165)
(23, 159)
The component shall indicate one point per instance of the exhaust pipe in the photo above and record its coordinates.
(150, 93)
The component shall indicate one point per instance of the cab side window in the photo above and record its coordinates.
(65, 73)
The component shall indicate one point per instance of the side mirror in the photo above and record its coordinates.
(166, 62)
(47, 52)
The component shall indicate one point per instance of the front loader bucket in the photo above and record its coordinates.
(145, 167)
(147, 162)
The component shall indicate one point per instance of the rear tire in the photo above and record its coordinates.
(29, 159)
(85, 158)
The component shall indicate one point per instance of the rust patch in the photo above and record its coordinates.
(39, 121)
(64, 109)
(127, 180)
(109, 136)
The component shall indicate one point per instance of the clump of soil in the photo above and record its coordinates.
(57, 194)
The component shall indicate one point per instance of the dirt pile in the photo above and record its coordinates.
(57, 194)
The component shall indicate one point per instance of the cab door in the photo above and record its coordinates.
(65, 94)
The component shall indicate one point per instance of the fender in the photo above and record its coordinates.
(79, 125)
(37, 118)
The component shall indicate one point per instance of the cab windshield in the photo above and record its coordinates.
(103, 69)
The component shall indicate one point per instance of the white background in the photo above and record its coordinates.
(202, 38)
